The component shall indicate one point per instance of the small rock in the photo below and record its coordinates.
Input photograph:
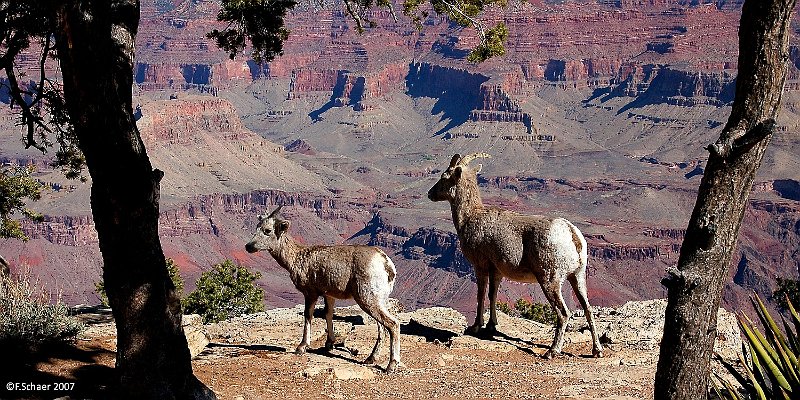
(353, 372)
(196, 336)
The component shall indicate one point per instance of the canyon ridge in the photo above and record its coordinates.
(598, 112)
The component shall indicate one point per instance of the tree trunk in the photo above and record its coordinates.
(695, 286)
(96, 40)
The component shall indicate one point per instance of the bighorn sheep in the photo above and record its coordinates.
(525, 248)
(363, 273)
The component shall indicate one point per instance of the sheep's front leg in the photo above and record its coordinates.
(329, 303)
(311, 302)
(495, 278)
(483, 280)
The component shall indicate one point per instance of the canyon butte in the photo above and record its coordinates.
(598, 112)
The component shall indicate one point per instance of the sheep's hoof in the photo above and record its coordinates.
(472, 330)
(392, 366)
(329, 346)
(301, 349)
(551, 354)
(597, 353)
(369, 361)
(490, 330)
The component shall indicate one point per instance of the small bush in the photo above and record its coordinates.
(17, 185)
(787, 288)
(28, 319)
(538, 312)
(505, 308)
(172, 270)
(226, 291)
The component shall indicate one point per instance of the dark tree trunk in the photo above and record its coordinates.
(96, 40)
(695, 286)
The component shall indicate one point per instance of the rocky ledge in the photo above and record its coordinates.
(251, 357)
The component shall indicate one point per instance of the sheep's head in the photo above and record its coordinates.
(445, 188)
(269, 230)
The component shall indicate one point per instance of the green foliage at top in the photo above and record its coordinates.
(492, 46)
(228, 290)
(16, 185)
(787, 288)
(27, 318)
(174, 276)
(262, 21)
(538, 312)
(771, 366)
(38, 101)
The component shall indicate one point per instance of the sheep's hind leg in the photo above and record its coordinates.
(483, 280)
(379, 312)
(552, 290)
(578, 282)
(311, 302)
(329, 304)
(376, 350)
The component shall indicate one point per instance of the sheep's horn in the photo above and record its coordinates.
(469, 157)
(274, 213)
(454, 160)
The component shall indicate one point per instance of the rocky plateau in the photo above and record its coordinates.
(437, 359)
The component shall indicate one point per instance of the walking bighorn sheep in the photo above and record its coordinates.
(524, 248)
(363, 273)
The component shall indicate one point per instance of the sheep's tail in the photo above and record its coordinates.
(391, 271)
(580, 244)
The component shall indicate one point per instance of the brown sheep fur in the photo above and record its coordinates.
(524, 248)
(363, 273)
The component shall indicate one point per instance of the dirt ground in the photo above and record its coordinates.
(430, 370)
(246, 362)
(434, 371)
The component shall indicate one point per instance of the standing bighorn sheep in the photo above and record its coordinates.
(524, 248)
(363, 273)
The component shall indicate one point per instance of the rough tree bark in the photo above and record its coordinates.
(695, 286)
(96, 40)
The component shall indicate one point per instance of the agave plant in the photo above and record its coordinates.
(770, 366)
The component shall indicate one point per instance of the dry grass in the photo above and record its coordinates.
(31, 316)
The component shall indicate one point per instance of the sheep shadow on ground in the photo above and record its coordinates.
(526, 346)
(251, 347)
(351, 319)
(430, 334)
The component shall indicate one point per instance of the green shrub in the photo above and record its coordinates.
(787, 288)
(172, 270)
(27, 318)
(17, 185)
(505, 308)
(533, 311)
(771, 366)
(226, 291)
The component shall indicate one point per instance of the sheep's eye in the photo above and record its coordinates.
(267, 231)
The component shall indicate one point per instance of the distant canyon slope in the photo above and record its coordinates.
(599, 112)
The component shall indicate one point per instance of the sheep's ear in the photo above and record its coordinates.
(281, 226)
(454, 160)
(456, 173)
(275, 213)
